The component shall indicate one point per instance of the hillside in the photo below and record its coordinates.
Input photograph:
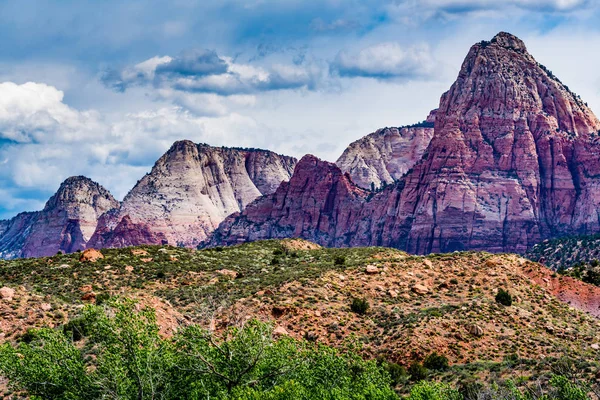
(442, 302)
(566, 252)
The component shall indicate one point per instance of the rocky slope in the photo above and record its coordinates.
(566, 252)
(319, 202)
(65, 224)
(513, 160)
(384, 156)
(443, 303)
(189, 191)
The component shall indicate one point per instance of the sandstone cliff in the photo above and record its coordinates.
(319, 202)
(384, 156)
(189, 191)
(65, 224)
(513, 160)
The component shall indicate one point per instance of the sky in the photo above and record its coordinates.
(103, 88)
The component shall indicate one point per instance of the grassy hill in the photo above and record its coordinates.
(405, 307)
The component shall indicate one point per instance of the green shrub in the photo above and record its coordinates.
(76, 329)
(417, 371)
(277, 252)
(433, 391)
(436, 362)
(102, 298)
(397, 372)
(339, 260)
(503, 297)
(359, 306)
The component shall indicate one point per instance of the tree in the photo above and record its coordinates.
(121, 355)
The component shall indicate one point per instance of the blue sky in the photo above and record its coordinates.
(103, 88)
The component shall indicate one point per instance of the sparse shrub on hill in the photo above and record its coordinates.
(359, 306)
(339, 260)
(436, 361)
(503, 297)
(417, 371)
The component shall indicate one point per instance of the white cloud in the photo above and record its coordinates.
(385, 60)
(34, 112)
(207, 72)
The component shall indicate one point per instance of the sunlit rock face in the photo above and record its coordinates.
(189, 191)
(66, 223)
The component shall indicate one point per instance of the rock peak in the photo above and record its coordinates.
(509, 41)
(79, 189)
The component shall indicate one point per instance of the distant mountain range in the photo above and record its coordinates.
(508, 159)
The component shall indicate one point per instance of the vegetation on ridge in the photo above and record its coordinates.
(434, 318)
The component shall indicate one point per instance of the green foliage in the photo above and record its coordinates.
(417, 371)
(436, 361)
(359, 306)
(503, 297)
(433, 391)
(49, 367)
(132, 361)
(76, 329)
(339, 260)
(397, 372)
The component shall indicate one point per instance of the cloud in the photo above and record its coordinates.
(385, 61)
(35, 113)
(337, 25)
(207, 72)
(43, 141)
(432, 7)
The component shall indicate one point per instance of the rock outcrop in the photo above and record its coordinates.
(384, 156)
(319, 202)
(189, 191)
(513, 160)
(65, 224)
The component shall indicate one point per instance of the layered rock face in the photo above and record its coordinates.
(319, 202)
(189, 191)
(66, 223)
(513, 160)
(384, 156)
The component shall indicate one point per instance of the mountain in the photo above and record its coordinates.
(513, 161)
(65, 224)
(189, 191)
(384, 156)
(319, 202)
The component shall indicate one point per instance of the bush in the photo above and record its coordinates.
(433, 391)
(102, 298)
(339, 260)
(503, 297)
(76, 329)
(417, 371)
(277, 252)
(359, 306)
(436, 362)
(397, 372)
(125, 357)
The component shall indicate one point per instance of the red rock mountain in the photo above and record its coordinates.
(190, 190)
(384, 156)
(513, 160)
(66, 223)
